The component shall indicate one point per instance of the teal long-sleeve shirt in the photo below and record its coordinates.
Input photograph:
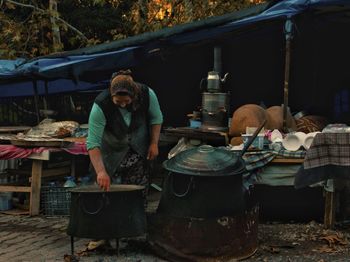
(97, 120)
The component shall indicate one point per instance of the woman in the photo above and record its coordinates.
(124, 128)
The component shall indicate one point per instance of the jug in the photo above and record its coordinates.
(213, 82)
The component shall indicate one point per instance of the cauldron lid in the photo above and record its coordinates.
(206, 161)
(113, 188)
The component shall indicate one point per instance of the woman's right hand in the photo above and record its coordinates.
(104, 181)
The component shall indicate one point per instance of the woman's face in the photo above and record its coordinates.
(122, 101)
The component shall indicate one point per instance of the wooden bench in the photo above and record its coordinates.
(37, 173)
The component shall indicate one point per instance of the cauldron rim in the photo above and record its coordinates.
(222, 173)
(206, 160)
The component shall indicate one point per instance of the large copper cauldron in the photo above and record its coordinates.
(204, 214)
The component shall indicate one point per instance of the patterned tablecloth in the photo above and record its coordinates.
(257, 159)
(255, 162)
(13, 152)
(327, 158)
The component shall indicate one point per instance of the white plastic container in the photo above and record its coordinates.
(258, 142)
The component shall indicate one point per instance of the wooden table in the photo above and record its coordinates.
(36, 175)
(280, 160)
(330, 197)
(326, 159)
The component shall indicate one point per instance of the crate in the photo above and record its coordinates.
(55, 200)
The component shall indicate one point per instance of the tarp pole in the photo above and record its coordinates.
(36, 100)
(288, 28)
(46, 98)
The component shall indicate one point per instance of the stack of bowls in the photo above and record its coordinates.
(294, 141)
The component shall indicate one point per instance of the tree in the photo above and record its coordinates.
(35, 28)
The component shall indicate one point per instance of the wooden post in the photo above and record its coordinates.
(289, 35)
(72, 166)
(36, 101)
(37, 169)
(329, 210)
(46, 97)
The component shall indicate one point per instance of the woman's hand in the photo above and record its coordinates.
(104, 181)
(152, 151)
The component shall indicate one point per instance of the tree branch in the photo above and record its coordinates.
(45, 12)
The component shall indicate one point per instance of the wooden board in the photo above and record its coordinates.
(40, 143)
(197, 133)
(14, 129)
(15, 211)
(75, 139)
(6, 138)
(15, 189)
(287, 160)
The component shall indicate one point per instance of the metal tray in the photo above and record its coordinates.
(40, 143)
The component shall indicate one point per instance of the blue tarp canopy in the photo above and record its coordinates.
(87, 68)
(173, 60)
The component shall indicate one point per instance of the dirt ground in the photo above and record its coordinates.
(308, 241)
(284, 242)
(302, 242)
(276, 242)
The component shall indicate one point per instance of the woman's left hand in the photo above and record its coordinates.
(152, 151)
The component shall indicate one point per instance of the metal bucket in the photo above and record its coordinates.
(106, 215)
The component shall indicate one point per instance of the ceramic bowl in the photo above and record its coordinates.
(276, 136)
(308, 139)
(301, 136)
(293, 141)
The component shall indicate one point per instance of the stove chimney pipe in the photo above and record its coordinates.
(217, 60)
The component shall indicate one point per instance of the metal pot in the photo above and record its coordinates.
(107, 215)
(203, 182)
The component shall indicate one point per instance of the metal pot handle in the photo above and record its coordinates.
(172, 186)
(104, 201)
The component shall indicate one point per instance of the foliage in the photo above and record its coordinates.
(24, 33)
(27, 27)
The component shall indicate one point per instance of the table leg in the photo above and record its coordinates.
(37, 169)
(329, 212)
(72, 166)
